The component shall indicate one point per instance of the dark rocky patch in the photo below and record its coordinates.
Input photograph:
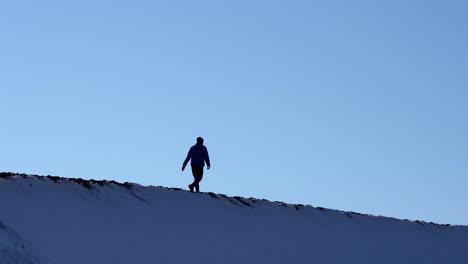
(4, 175)
(281, 203)
(84, 183)
(88, 184)
(440, 225)
(54, 178)
(229, 199)
(241, 200)
(299, 206)
(419, 222)
(7, 175)
(127, 185)
(356, 213)
(253, 200)
(212, 195)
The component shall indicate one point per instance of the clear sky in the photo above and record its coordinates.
(352, 105)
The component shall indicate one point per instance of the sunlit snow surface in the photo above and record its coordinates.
(57, 220)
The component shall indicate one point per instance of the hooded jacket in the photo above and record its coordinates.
(199, 155)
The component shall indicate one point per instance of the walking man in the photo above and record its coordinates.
(199, 155)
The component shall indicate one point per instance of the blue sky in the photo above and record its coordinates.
(355, 106)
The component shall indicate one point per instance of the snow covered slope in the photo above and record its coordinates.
(72, 221)
(15, 250)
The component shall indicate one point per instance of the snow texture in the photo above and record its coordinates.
(48, 220)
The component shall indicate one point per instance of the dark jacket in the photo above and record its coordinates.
(199, 155)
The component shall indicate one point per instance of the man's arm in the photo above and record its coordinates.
(189, 156)
(207, 159)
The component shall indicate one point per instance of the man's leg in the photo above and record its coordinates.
(194, 173)
(197, 172)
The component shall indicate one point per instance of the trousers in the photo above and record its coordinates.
(197, 172)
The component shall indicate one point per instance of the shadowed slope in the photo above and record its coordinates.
(78, 221)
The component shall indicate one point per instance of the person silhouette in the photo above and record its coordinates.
(198, 153)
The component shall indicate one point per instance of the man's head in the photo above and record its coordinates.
(200, 140)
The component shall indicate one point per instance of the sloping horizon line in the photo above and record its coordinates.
(236, 200)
